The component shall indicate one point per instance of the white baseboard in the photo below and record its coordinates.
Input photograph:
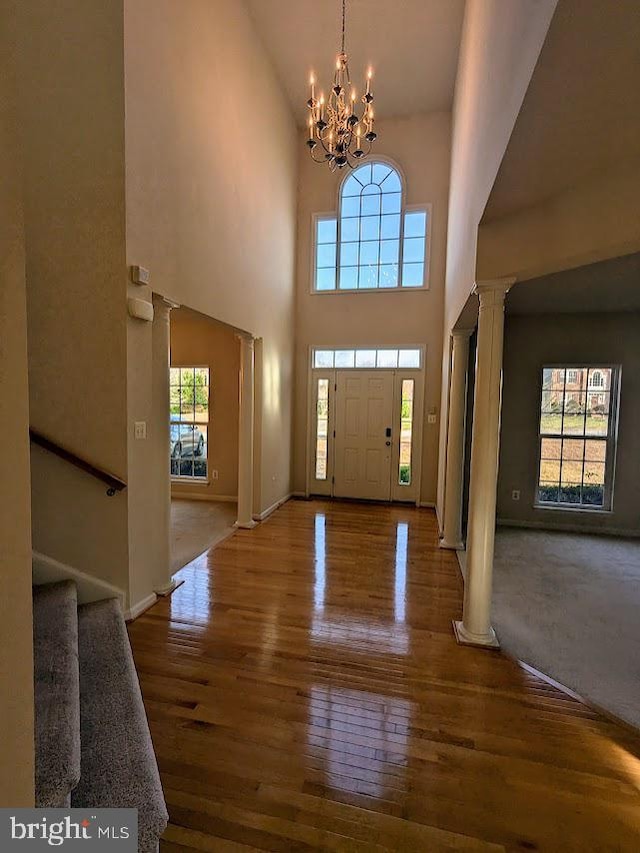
(439, 520)
(274, 506)
(427, 505)
(49, 570)
(299, 495)
(139, 608)
(198, 496)
(568, 528)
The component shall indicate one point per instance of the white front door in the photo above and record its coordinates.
(363, 440)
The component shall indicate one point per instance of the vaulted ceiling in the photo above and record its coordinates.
(412, 46)
(581, 113)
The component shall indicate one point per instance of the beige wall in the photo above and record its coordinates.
(16, 655)
(211, 189)
(200, 341)
(72, 109)
(499, 48)
(532, 341)
(594, 220)
(420, 147)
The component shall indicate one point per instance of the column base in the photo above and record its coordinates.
(169, 588)
(245, 525)
(451, 546)
(465, 638)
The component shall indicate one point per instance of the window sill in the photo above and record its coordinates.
(343, 291)
(201, 481)
(580, 509)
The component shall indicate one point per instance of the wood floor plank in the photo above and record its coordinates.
(305, 692)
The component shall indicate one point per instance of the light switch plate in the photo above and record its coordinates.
(140, 429)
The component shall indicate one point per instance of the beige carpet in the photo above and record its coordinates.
(569, 605)
(197, 526)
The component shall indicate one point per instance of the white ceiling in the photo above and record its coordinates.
(412, 46)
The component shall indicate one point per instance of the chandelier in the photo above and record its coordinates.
(336, 132)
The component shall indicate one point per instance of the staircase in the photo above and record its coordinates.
(93, 746)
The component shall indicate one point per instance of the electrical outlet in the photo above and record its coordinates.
(515, 495)
(431, 419)
(140, 429)
(214, 475)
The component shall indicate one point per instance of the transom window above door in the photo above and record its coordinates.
(385, 358)
(374, 243)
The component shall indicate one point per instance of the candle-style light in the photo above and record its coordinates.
(335, 129)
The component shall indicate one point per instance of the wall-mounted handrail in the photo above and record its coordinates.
(114, 484)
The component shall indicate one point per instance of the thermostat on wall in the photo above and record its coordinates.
(140, 275)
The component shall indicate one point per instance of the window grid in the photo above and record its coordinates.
(189, 395)
(373, 244)
(575, 432)
(369, 359)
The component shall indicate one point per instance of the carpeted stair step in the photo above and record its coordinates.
(118, 764)
(57, 695)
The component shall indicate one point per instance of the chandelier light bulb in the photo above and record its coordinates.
(337, 129)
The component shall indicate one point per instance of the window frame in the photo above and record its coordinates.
(399, 493)
(610, 440)
(313, 348)
(405, 208)
(192, 478)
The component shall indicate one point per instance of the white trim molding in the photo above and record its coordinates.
(139, 608)
(46, 569)
(261, 516)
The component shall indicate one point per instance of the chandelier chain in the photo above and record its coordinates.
(340, 131)
(344, 15)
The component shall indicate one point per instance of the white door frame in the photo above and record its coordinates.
(325, 487)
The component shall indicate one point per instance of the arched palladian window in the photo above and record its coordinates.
(374, 243)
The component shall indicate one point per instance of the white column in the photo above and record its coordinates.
(475, 628)
(159, 435)
(452, 533)
(245, 439)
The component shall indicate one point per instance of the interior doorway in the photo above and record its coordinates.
(203, 432)
(365, 424)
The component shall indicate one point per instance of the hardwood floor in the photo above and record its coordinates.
(305, 692)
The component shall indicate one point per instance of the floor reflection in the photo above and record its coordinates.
(354, 627)
(361, 739)
(320, 550)
(400, 598)
(191, 602)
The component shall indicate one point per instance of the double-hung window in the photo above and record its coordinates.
(374, 243)
(578, 412)
(189, 422)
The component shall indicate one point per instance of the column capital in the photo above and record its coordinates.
(494, 285)
(462, 333)
(163, 302)
(246, 338)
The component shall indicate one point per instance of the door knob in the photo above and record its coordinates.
(388, 443)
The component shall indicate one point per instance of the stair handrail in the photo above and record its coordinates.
(114, 484)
